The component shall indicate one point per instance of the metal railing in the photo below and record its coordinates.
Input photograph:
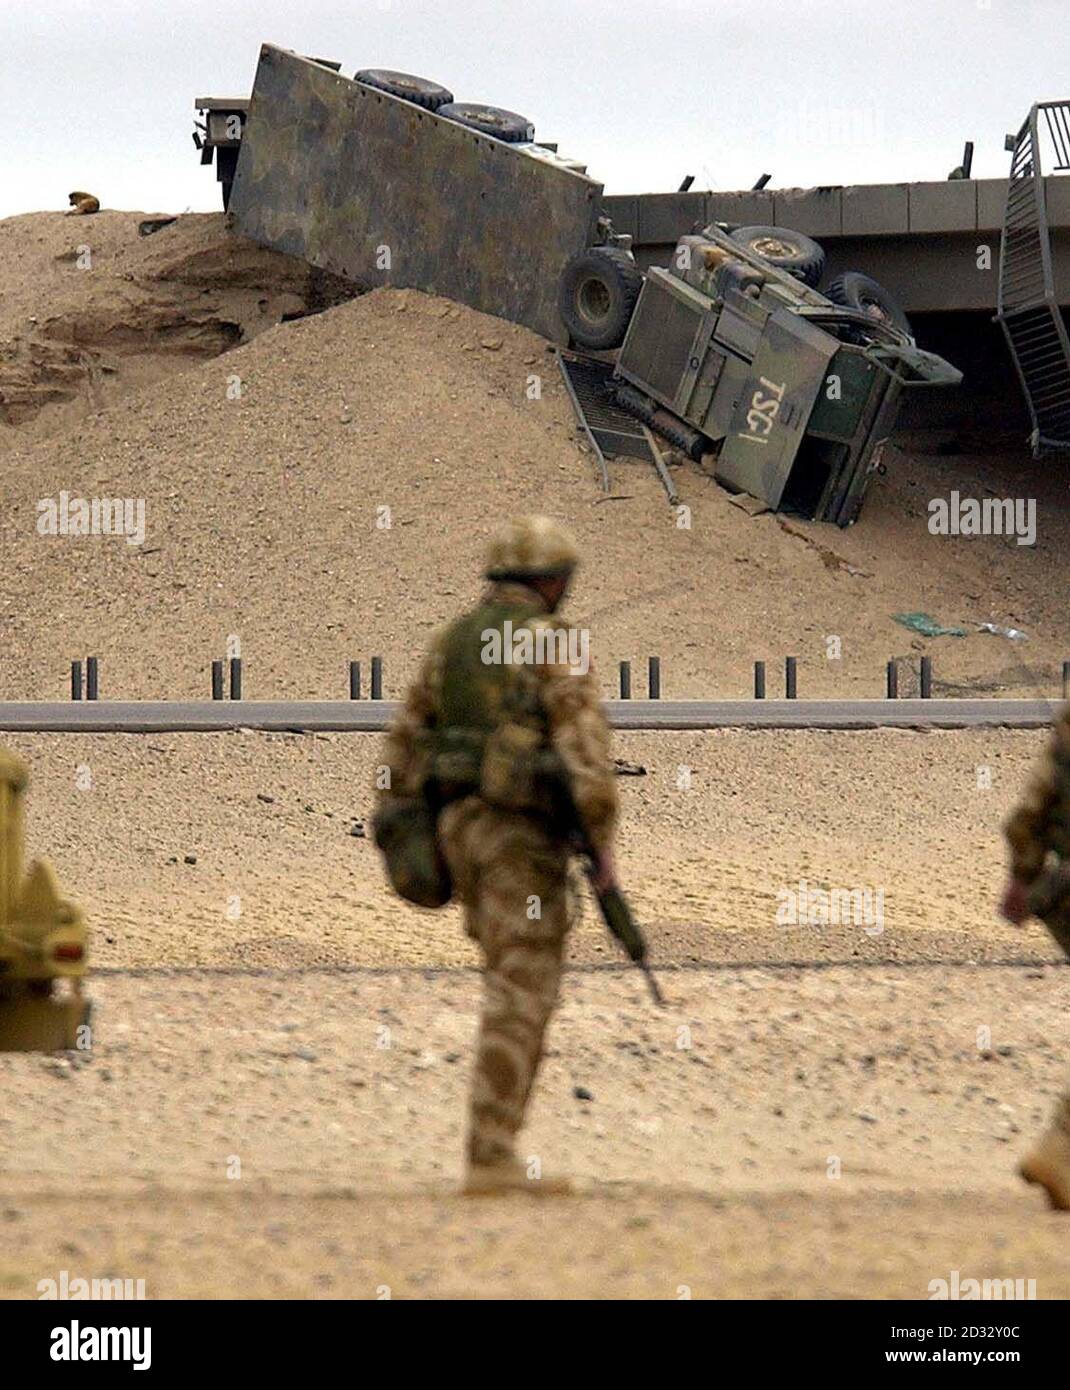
(1027, 306)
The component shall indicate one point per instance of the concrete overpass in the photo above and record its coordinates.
(922, 241)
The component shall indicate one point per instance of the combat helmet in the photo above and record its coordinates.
(531, 547)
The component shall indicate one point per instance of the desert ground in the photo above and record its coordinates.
(274, 1103)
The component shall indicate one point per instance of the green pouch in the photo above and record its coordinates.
(405, 833)
(1049, 899)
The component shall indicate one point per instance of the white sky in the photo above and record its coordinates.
(98, 94)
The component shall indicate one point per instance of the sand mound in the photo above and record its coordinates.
(91, 308)
(325, 490)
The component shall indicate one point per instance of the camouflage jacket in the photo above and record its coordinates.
(577, 726)
(1041, 822)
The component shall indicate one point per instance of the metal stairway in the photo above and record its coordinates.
(1027, 306)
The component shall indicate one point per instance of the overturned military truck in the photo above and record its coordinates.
(785, 393)
(730, 352)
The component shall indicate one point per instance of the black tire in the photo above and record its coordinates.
(418, 90)
(794, 252)
(491, 120)
(597, 296)
(856, 291)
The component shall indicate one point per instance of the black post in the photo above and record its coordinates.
(76, 680)
(626, 680)
(759, 680)
(926, 677)
(354, 680)
(1066, 680)
(217, 680)
(790, 679)
(91, 678)
(653, 678)
(235, 677)
(893, 680)
(377, 677)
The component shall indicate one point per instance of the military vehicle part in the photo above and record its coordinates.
(611, 431)
(597, 295)
(856, 291)
(691, 442)
(220, 133)
(797, 395)
(383, 192)
(794, 252)
(490, 120)
(429, 95)
(43, 943)
(1027, 303)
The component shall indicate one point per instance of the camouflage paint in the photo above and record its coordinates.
(332, 171)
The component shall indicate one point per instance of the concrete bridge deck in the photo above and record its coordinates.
(921, 240)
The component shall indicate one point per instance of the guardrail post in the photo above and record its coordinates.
(626, 680)
(926, 677)
(354, 680)
(235, 677)
(759, 680)
(91, 678)
(653, 678)
(893, 680)
(377, 677)
(790, 677)
(76, 680)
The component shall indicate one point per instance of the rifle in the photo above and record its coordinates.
(613, 905)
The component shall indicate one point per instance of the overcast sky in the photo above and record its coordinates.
(98, 94)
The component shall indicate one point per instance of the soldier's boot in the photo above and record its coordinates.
(510, 1175)
(1049, 1163)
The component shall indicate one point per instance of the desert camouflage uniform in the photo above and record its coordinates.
(509, 870)
(1038, 828)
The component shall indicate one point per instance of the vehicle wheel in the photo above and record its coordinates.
(490, 120)
(856, 291)
(597, 295)
(429, 95)
(794, 252)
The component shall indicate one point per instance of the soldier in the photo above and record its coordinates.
(1038, 833)
(497, 711)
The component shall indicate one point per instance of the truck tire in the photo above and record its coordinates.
(418, 90)
(794, 252)
(491, 120)
(856, 291)
(597, 295)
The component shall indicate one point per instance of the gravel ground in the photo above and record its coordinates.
(775, 1133)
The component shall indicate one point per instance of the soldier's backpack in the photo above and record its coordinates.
(404, 830)
(491, 735)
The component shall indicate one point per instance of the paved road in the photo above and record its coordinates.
(371, 716)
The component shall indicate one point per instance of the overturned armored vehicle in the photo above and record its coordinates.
(735, 357)
(730, 352)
